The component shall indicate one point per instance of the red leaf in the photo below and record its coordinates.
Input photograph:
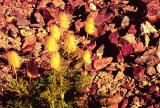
(29, 43)
(120, 57)
(132, 30)
(139, 47)
(102, 29)
(126, 49)
(113, 37)
(75, 3)
(102, 63)
(152, 88)
(124, 103)
(153, 11)
(138, 72)
(91, 45)
(127, 85)
(93, 89)
(103, 17)
(46, 14)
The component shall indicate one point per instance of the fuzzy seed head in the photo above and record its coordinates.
(64, 20)
(55, 32)
(89, 26)
(51, 44)
(70, 43)
(14, 59)
(56, 61)
(87, 58)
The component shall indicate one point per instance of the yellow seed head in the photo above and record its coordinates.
(89, 26)
(55, 32)
(51, 44)
(70, 43)
(87, 58)
(56, 61)
(64, 20)
(14, 59)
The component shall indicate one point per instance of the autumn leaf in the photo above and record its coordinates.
(138, 72)
(58, 3)
(102, 63)
(126, 49)
(29, 43)
(75, 3)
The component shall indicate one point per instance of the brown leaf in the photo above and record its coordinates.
(153, 14)
(139, 47)
(102, 63)
(149, 57)
(21, 21)
(76, 3)
(58, 3)
(132, 30)
(113, 37)
(138, 72)
(29, 43)
(114, 99)
(126, 49)
(103, 17)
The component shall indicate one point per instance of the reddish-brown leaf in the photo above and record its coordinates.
(139, 47)
(75, 3)
(113, 37)
(120, 57)
(102, 63)
(103, 17)
(127, 85)
(138, 72)
(124, 103)
(29, 43)
(126, 49)
(132, 30)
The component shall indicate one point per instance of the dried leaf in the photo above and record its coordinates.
(138, 72)
(139, 47)
(127, 49)
(125, 22)
(150, 70)
(102, 17)
(132, 30)
(149, 57)
(102, 63)
(113, 37)
(124, 103)
(58, 3)
(29, 43)
(75, 3)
